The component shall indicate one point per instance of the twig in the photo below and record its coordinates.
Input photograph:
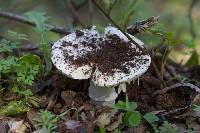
(156, 70)
(21, 19)
(158, 74)
(164, 58)
(117, 26)
(143, 25)
(186, 86)
(192, 30)
(76, 16)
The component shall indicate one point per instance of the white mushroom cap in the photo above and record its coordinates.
(73, 46)
(102, 79)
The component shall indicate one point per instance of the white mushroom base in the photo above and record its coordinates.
(103, 96)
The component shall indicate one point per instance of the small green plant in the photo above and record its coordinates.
(18, 73)
(7, 65)
(121, 11)
(40, 19)
(167, 127)
(6, 46)
(28, 69)
(48, 121)
(151, 119)
(28, 98)
(132, 117)
(13, 108)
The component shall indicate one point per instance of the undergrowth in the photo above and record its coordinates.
(134, 118)
(18, 71)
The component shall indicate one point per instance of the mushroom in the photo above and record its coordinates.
(108, 59)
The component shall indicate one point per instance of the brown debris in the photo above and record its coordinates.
(110, 54)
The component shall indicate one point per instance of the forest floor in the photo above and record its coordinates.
(171, 99)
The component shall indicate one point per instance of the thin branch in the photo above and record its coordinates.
(142, 26)
(117, 26)
(158, 74)
(192, 30)
(73, 11)
(21, 19)
(156, 69)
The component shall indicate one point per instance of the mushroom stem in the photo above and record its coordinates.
(122, 87)
(102, 96)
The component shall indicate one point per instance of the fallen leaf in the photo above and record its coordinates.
(33, 117)
(104, 118)
(114, 125)
(71, 124)
(17, 127)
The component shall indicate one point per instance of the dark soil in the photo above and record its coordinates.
(109, 54)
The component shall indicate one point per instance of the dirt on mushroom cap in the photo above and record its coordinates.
(112, 54)
(108, 58)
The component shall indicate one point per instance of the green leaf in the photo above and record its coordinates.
(13, 41)
(168, 128)
(130, 106)
(120, 105)
(132, 119)
(193, 60)
(102, 130)
(28, 98)
(7, 46)
(171, 40)
(8, 64)
(16, 37)
(39, 18)
(190, 44)
(30, 59)
(13, 108)
(47, 122)
(135, 119)
(28, 69)
(150, 117)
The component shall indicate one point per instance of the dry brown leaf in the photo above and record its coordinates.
(192, 120)
(197, 100)
(116, 123)
(33, 117)
(17, 127)
(104, 118)
(71, 124)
